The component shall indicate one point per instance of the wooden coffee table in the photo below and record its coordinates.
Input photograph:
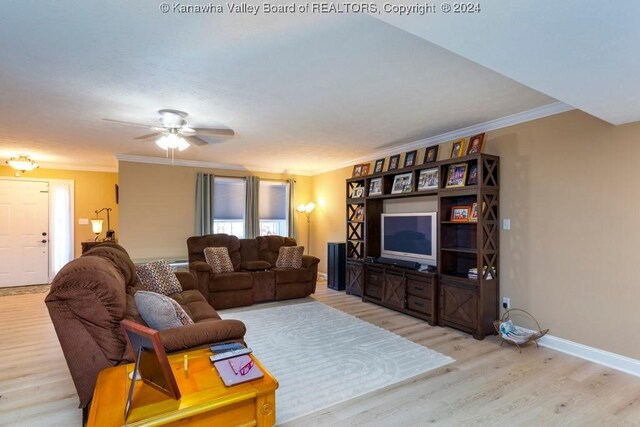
(205, 399)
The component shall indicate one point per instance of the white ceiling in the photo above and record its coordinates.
(303, 92)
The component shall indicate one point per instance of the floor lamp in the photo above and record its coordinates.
(307, 209)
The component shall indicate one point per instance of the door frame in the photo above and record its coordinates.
(72, 205)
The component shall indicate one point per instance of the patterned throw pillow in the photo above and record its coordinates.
(218, 259)
(158, 276)
(290, 256)
(160, 312)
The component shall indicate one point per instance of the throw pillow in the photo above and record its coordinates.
(290, 256)
(160, 312)
(218, 259)
(158, 276)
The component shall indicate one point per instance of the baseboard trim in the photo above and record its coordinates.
(592, 354)
(322, 276)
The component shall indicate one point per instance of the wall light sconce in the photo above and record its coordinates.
(307, 209)
(96, 225)
(22, 163)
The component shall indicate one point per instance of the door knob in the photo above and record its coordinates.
(44, 240)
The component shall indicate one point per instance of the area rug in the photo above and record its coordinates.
(19, 290)
(322, 356)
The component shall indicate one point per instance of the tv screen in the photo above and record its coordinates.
(410, 237)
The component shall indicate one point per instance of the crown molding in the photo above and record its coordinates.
(82, 168)
(514, 119)
(207, 165)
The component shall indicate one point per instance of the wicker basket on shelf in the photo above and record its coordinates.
(517, 335)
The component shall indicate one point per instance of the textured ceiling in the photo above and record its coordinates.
(303, 92)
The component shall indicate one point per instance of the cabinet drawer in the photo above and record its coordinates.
(374, 276)
(373, 291)
(421, 305)
(419, 288)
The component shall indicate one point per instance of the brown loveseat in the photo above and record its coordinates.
(92, 294)
(255, 277)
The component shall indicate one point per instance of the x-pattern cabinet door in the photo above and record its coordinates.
(393, 293)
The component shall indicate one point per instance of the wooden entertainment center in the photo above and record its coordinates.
(452, 296)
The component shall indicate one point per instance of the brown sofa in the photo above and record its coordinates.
(92, 294)
(255, 277)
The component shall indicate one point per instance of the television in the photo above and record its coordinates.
(410, 237)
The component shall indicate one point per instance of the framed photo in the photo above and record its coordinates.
(475, 144)
(472, 179)
(460, 213)
(456, 175)
(393, 162)
(457, 149)
(357, 192)
(378, 166)
(357, 171)
(151, 361)
(431, 154)
(428, 179)
(410, 158)
(402, 183)
(375, 187)
(473, 216)
(359, 216)
(364, 169)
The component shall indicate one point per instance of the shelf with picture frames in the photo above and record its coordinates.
(466, 189)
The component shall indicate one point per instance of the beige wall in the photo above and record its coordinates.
(93, 190)
(569, 184)
(157, 212)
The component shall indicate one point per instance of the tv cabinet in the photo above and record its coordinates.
(408, 291)
(452, 297)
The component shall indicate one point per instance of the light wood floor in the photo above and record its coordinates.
(487, 385)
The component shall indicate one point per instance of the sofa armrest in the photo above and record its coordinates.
(203, 333)
(187, 280)
(202, 273)
(199, 266)
(309, 261)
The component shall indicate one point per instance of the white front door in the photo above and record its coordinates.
(24, 232)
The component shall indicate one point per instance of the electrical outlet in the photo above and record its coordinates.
(506, 303)
(506, 224)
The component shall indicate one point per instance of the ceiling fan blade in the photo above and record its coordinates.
(195, 140)
(149, 135)
(126, 123)
(214, 132)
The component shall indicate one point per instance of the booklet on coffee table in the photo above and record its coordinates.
(238, 370)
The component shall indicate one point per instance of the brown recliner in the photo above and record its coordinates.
(255, 277)
(92, 294)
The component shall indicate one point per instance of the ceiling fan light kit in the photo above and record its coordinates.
(172, 141)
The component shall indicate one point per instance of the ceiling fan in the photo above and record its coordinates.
(173, 131)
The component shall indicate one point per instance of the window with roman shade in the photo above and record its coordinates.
(229, 206)
(274, 208)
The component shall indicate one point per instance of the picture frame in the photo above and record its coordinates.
(472, 178)
(456, 175)
(357, 192)
(430, 154)
(402, 183)
(364, 170)
(357, 171)
(473, 216)
(394, 162)
(460, 213)
(359, 215)
(151, 361)
(475, 144)
(410, 158)
(375, 187)
(428, 179)
(379, 166)
(457, 148)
